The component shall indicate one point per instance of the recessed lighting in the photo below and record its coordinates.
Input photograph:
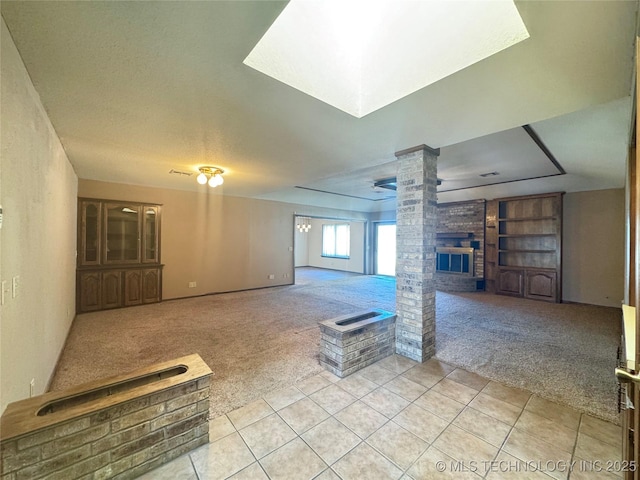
(489, 174)
(359, 56)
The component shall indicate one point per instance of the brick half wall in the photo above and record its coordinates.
(118, 436)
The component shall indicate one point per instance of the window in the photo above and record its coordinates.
(335, 240)
(386, 249)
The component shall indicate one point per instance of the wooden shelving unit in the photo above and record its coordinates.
(491, 246)
(118, 254)
(524, 246)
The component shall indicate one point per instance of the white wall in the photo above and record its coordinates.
(301, 242)
(355, 263)
(593, 247)
(38, 190)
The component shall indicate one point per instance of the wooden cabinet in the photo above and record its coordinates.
(510, 282)
(118, 254)
(490, 246)
(111, 289)
(528, 247)
(541, 285)
(151, 282)
(122, 230)
(133, 287)
(89, 232)
(89, 291)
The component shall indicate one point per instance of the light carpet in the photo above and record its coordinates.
(262, 340)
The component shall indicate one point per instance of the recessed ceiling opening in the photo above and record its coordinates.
(361, 55)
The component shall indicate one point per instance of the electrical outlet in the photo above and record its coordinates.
(271, 276)
(14, 286)
(192, 284)
(32, 387)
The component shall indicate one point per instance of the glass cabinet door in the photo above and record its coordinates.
(89, 241)
(151, 237)
(122, 233)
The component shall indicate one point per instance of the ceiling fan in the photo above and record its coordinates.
(391, 183)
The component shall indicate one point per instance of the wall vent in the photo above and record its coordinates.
(178, 172)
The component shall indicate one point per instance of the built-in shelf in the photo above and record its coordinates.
(526, 219)
(528, 245)
(518, 235)
(454, 235)
(526, 251)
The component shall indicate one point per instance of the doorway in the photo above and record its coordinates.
(385, 249)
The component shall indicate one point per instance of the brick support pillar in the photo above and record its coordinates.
(416, 217)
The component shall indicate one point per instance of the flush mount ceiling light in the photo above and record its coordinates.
(361, 55)
(210, 175)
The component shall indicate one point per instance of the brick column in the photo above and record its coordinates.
(416, 217)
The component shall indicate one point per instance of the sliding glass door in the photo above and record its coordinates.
(386, 249)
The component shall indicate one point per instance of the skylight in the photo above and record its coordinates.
(361, 55)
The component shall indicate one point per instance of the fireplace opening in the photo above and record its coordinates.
(455, 260)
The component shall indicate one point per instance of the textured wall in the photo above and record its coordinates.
(593, 247)
(38, 235)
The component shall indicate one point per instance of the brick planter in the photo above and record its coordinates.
(352, 342)
(120, 427)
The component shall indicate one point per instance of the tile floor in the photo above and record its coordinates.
(398, 419)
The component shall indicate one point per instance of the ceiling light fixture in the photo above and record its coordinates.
(303, 224)
(210, 175)
(387, 183)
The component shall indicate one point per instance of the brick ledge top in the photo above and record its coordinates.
(21, 417)
(427, 148)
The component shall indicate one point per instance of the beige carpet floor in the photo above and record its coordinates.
(261, 340)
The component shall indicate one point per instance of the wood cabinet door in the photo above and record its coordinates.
(510, 282)
(151, 285)
(111, 289)
(541, 285)
(133, 287)
(121, 235)
(89, 232)
(150, 234)
(90, 291)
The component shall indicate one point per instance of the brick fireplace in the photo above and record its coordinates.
(460, 246)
